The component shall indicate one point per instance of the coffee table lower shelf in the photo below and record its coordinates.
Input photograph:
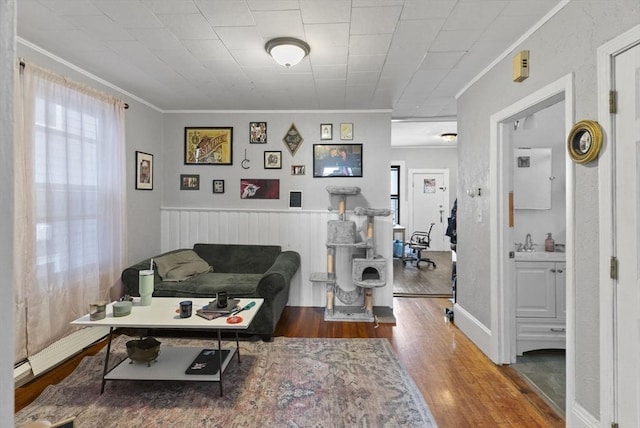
(171, 365)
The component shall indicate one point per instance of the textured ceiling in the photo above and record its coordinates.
(408, 56)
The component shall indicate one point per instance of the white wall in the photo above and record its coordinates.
(7, 66)
(567, 43)
(200, 216)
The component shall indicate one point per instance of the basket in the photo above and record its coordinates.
(144, 350)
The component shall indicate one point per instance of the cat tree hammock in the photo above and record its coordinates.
(367, 272)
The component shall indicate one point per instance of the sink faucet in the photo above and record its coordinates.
(528, 244)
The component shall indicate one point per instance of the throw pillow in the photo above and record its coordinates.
(181, 265)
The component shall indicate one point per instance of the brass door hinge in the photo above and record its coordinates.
(614, 425)
(613, 102)
(613, 268)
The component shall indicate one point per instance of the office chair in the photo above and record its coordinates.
(418, 242)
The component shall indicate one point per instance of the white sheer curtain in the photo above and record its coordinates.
(70, 204)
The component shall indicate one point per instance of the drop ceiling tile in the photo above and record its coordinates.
(101, 27)
(273, 5)
(326, 11)
(439, 60)
(461, 40)
(156, 38)
(427, 9)
(253, 58)
(374, 20)
(338, 71)
(375, 3)
(40, 17)
(529, 8)
(240, 37)
(369, 44)
(363, 78)
(129, 14)
(323, 35)
(365, 63)
(188, 26)
(225, 12)
(171, 6)
(287, 23)
(474, 15)
(333, 55)
(69, 7)
(207, 49)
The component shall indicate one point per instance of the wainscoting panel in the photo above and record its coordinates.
(301, 231)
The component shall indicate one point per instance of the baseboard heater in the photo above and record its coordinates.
(59, 351)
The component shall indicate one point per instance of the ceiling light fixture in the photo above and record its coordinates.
(287, 51)
(449, 137)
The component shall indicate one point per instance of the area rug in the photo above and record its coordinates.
(289, 382)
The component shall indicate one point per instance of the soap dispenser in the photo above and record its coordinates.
(549, 243)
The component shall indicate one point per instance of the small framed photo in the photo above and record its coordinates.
(346, 131)
(144, 171)
(295, 199)
(218, 186)
(189, 182)
(297, 169)
(326, 131)
(258, 132)
(272, 160)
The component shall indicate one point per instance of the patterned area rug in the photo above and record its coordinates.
(289, 382)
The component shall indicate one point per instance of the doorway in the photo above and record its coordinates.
(503, 292)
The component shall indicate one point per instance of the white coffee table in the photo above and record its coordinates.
(172, 361)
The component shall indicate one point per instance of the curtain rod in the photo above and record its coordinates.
(22, 64)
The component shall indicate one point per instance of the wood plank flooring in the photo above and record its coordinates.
(410, 281)
(461, 386)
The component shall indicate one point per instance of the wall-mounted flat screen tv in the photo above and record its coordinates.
(337, 160)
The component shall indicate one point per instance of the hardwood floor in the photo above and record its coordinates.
(462, 387)
(412, 281)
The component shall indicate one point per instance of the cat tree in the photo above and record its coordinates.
(368, 270)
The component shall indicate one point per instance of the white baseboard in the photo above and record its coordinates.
(477, 332)
(578, 417)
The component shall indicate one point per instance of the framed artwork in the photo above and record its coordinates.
(292, 139)
(258, 132)
(272, 160)
(255, 188)
(297, 169)
(218, 186)
(326, 131)
(295, 199)
(208, 146)
(189, 182)
(144, 171)
(346, 131)
(331, 160)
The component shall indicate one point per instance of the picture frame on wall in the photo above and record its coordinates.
(295, 199)
(257, 132)
(298, 170)
(346, 131)
(326, 131)
(218, 186)
(144, 171)
(272, 159)
(337, 160)
(189, 182)
(208, 146)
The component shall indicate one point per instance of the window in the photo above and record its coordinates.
(395, 193)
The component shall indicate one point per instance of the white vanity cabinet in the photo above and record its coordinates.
(540, 305)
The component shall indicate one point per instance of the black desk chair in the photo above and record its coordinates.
(419, 242)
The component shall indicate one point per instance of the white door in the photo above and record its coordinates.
(430, 204)
(627, 232)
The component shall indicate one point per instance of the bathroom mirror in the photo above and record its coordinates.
(531, 179)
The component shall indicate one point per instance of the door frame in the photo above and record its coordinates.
(502, 338)
(605, 62)
(447, 204)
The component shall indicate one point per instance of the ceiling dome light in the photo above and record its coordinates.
(287, 51)
(449, 137)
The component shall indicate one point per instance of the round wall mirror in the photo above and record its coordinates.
(585, 141)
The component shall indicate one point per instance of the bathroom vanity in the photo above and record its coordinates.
(540, 301)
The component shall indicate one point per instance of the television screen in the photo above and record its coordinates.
(337, 160)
